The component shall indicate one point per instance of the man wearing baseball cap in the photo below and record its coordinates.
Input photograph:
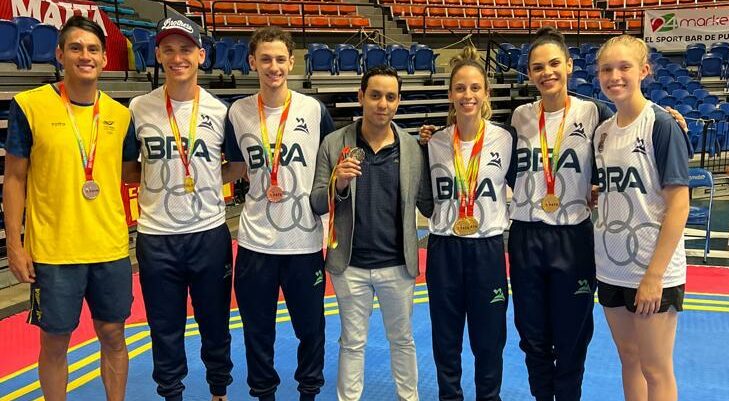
(183, 243)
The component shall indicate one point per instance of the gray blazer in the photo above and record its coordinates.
(414, 190)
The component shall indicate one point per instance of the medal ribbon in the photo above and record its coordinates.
(185, 154)
(276, 155)
(466, 181)
(87, 159)
(551, 166)
(332, 233)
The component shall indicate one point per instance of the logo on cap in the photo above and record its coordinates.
(177, 24)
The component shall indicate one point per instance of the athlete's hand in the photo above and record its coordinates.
(679, 118)
(345, 171)
(648, 298)
(21, 264)
(426, 131)
(594, 194)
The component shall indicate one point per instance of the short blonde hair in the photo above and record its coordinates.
(636, 44)
(469, 56)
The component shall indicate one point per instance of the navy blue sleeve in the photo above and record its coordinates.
(603, 112)
(671, 150)
(20, 137)
(326, 124)
(132, 146)
(230, 144)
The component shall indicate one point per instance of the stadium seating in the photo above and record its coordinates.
(372, 56)
(348, 59)
(319, 58)
(41, 44)
(10, 49)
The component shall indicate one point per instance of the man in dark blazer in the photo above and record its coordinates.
(380, 176)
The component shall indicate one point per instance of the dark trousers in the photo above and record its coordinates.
(258, 278)
(553, 280)
(169, 267)
(467, 283)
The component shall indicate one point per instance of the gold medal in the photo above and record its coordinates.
(465, 226)
(189, 185)
(550, 203)
(357, 154)
(274, 194)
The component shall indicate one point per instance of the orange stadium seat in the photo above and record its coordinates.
(635, 24)
(566, 14)
(504, 13)
(279, 20)
(549, 13)
(559, 3)
(453, 2)
(296, 22)
(502, 3)
(467, 23)
(436, 12)
(486, 3)
(537, 13)
(400, 11)
(521, 13)
(257, 20)
(317, 22)
(450, 23)
(488, 13)
(564, 25)
(544, 3)
(269, 8)
(434, 23)
(531, 3)
(471, 12)
(290, 9)
(328, 10)
(237, 20)
(456, 12)
(339, 22)
(417, 10)
(347, 10)
(360, 22)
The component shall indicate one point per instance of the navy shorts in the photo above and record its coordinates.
(613, 296)
(57, 295)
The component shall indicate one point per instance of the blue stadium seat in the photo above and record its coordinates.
(681, 72)
(665, 80)
(693, 85)
(667, 101)
(690, 100)
(606, 101)
(684, 80)
(424, 60)
(596, 86)
(575, 52)
(348, 58)
(321, 59)
(722, 49)
(43, 41)
(581, 74)
(585, 89)
(710, 99)
(672, 86)
(209, 47)
(240, 58)
(142, 46)
(590, 58)
(705, 109)
(679, 94)
(657, 95)
(372, 56)
(662, 72)
(701, 93)
(222, 61)
(580, 62)
(522, 67)
(25, 24)
(399, 58)
(652, 87)
(712, 65)
(10, 44)
(724, 106)
(701, 216)
(662, 61)
(692, 57)
(683, 109)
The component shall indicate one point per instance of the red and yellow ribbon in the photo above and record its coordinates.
(466, 180)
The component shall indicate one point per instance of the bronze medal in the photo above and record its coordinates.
(550, 203)
(274, 194)
(465, 226)
(90, 190)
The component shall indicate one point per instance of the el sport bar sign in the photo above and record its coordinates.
(674, 29)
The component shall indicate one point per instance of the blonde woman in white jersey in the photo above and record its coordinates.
(470, 166)
(641, 156)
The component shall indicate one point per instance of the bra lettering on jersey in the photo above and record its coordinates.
(160, 148)
(531, 159)
(615, 179)
(446, 191)
(293, 154)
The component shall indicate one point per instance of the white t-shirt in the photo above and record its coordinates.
(490, 205)
(289, 226)
(575, 165)
(635, 164)
(165, 206)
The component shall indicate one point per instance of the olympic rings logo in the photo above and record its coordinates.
(295, 198)
(159, 180)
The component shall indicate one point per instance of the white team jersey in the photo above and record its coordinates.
(165, 206)
(635, 163)
(289, 226)
(573, 178)
(490, 205)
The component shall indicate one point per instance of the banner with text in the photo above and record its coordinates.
(56, 13)
(676, 28)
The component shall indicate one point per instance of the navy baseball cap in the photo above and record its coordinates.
(179, 26)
